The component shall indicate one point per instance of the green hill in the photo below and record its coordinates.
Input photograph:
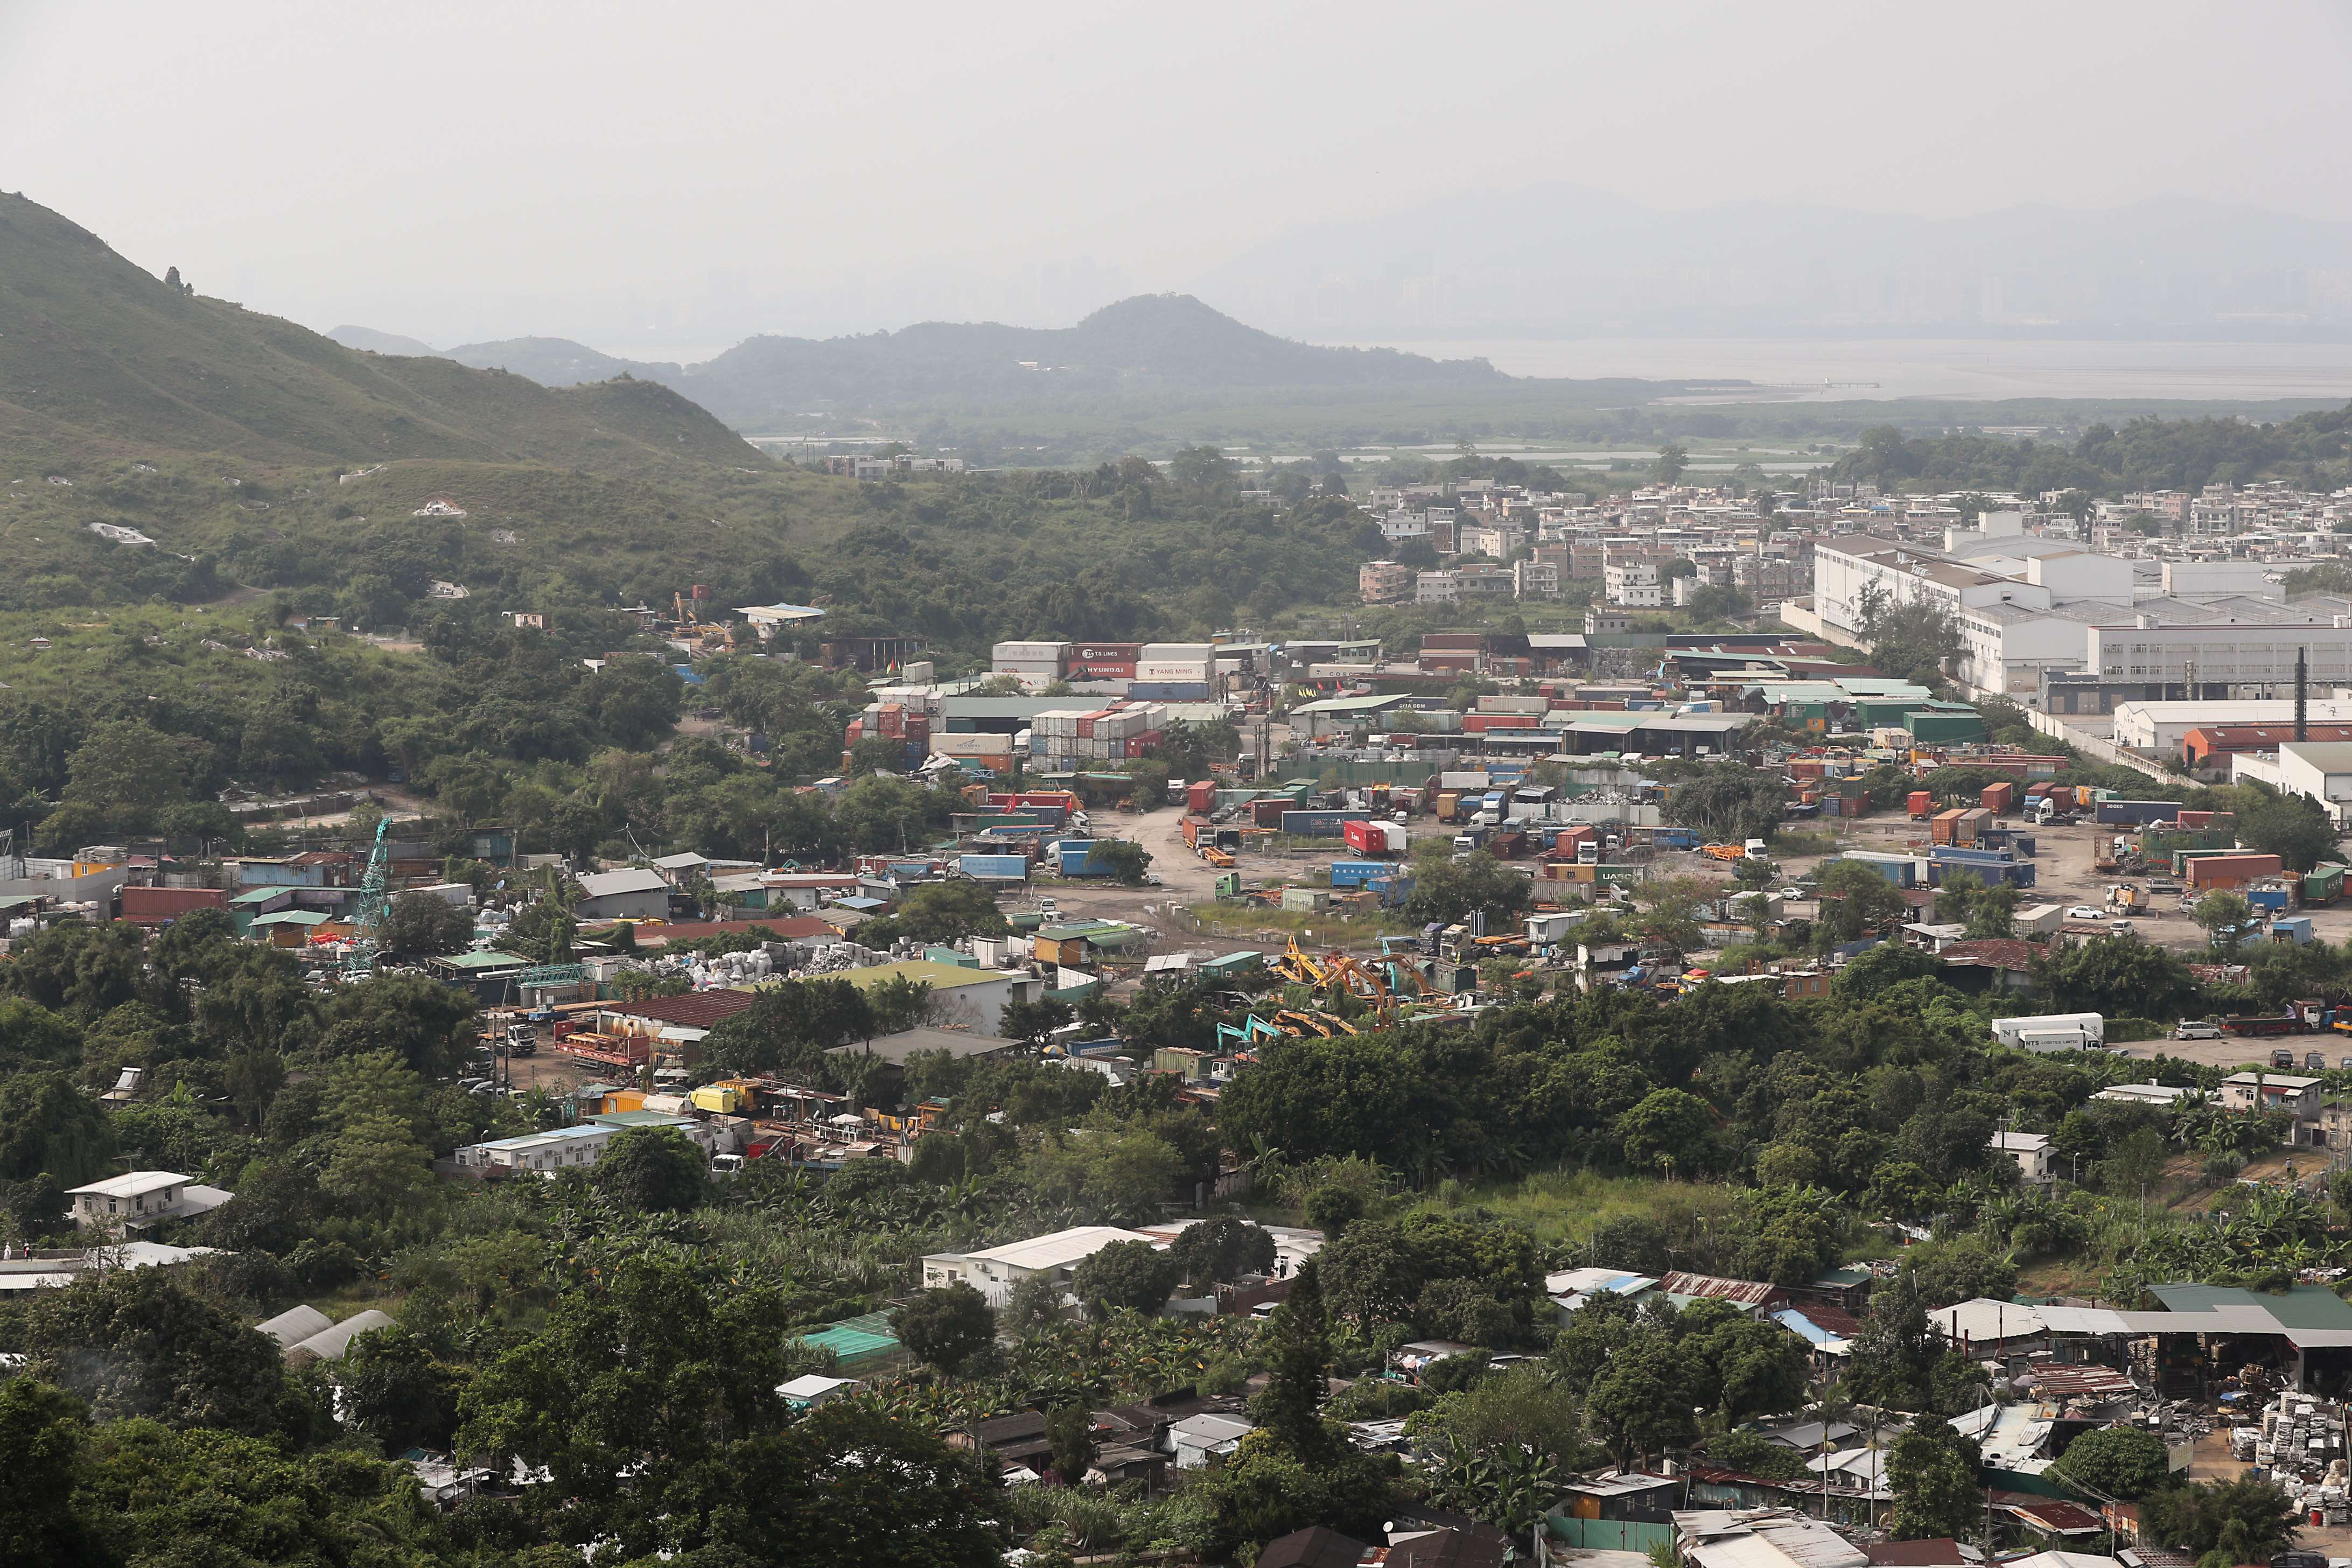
(1140, 356)
(369, 341)
(91, 343)
(555, 362)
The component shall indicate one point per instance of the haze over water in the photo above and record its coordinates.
(1825, 369)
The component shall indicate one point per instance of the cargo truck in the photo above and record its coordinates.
(2054, 1032)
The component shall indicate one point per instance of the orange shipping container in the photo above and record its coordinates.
(2231, 870)
(1923, 805)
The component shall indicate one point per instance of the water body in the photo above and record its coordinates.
(1819, 370)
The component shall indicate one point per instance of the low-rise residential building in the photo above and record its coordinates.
(2299, 1096)
(1384, 582)
(2030, 1149)
(137, 1199)
(1634, 584)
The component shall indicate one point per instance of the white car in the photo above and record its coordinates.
(2085, 912)
(2197, 1029)
(2121, 927)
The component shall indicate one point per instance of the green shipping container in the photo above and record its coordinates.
(2322, 884)
(1941, 728)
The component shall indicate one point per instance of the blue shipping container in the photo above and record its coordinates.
(1357, 873)
(1320, 823)
(2272, 898)
(1168, 691)
(996, 867)
(1080, 863)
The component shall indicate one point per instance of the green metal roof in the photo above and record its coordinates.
(857, 1339)
(263, 895)
(488, 959)
(2299, 1307)
(292, 917)
(941, 977)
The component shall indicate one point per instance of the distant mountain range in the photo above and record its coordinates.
(1140, 354)
(1560, 259)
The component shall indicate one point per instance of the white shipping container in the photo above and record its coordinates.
(1514, 704)
(1158, 672)
(971, 745)
(1202, 652)
(1056, 652)
(1049, 669)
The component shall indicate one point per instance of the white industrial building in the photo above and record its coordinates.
(2162, 726)
(2029, 608)
(2316, 770)
(995, 1271)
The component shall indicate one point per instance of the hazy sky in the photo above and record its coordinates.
(640, 172)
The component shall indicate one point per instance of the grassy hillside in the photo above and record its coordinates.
(91, 345)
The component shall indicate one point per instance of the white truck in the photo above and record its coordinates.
(2052, 1032)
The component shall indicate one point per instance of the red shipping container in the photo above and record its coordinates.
(1998, 797)
(1142, 746)
(153, 906)
(1104, 669)
(1202, 796)
(857, 732)
(1920, 803)
(2196, 819)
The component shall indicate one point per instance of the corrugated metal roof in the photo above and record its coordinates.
(1745, 1292)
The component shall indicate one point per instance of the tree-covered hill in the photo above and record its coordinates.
(2146, 453)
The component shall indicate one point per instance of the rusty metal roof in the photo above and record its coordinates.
(1743, 1293)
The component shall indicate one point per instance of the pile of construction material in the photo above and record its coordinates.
(2300, 1445)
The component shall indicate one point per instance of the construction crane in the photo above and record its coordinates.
(375, 905)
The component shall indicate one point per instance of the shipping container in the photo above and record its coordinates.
(995, 868)
(1318, 824)
(2137, 813)
(1999, 798)
(1356, 873)
(2323, 885)
(1194, 690)
(1032, 652)
(1201, 796)
(2210, 871)
(1373, 838)
(1946, 826)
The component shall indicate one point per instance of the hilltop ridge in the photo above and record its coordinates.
(95, 348)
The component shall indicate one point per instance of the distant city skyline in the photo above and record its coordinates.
(634, 179)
